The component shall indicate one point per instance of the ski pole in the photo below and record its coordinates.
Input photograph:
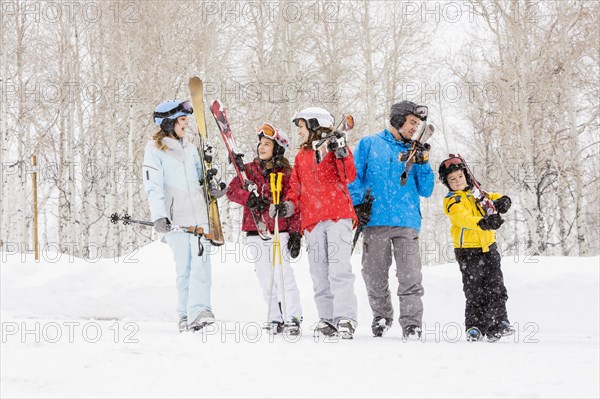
(195, 230)
(126, 219)
(272, 185)
(275, 185)
(368, 201)
(278, 188)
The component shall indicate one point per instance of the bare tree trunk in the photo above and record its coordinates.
(3, 135)
(369, 71)
(21, 134)
(573, 151)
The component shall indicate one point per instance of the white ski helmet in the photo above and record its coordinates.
(171, 109)
(282, 141)
(315, 118)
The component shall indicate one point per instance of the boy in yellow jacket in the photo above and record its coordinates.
(476, 252)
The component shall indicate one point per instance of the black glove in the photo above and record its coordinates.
(294, 244)
(162, 225)
(257, 203)
(286, 209)
(422, 153)
(338, 144)
(208, 153)
(491, 222)
(239, 160)
(502, 204)
(210, 173)
(363, 213)
(341, 152)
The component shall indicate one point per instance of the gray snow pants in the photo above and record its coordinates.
(379, 242)
(329, 249)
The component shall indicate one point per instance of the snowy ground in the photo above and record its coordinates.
(73, 328)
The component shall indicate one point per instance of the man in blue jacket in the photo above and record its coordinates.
(392, 227)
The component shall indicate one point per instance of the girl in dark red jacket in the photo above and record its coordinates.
(319, 193)
(271, 149)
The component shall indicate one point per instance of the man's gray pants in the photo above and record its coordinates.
(329, 249)
(380, 242)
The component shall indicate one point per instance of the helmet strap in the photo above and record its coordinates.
(404, 139)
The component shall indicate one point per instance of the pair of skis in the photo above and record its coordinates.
(331, 141)
(205, 150)
(480, 196)
(419, 139)
(218, 111)
(235, 156)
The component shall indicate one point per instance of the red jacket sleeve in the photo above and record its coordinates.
(236, 192)
(294, 220)
(293, 194)
(346, 168)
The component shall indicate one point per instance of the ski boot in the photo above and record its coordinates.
(292, 327)
(411, 333)
(346, 328)
(380, 325)
(474, 335)
(183, 325)
(493, 336)
(275, 327)
(325, 328)
(204, 318)
(506, 329)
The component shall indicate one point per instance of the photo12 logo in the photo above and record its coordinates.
(269, 12)
(52, 12)
(53, 332)
(453, 332)
(53, 252)
(455, 12)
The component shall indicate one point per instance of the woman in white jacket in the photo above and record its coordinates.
(172, 181)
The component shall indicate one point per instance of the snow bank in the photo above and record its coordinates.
(75, 328)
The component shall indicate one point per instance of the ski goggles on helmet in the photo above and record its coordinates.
(269, 131)
(184, 107)
(421, 111)
(453, 160)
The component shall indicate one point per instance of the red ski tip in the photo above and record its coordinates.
(217, 106)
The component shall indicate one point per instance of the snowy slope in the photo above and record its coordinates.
(72, 328)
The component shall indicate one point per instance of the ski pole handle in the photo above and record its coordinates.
(279, 186)
(273, 186)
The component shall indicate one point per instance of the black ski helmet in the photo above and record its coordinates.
(450, 165)
(401, 110)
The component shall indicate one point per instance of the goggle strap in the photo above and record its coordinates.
(178, 108)
(275, 133)
(453, 160)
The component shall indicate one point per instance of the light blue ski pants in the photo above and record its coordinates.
(193, 279)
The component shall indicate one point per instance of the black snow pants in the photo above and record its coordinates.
(483, 285)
